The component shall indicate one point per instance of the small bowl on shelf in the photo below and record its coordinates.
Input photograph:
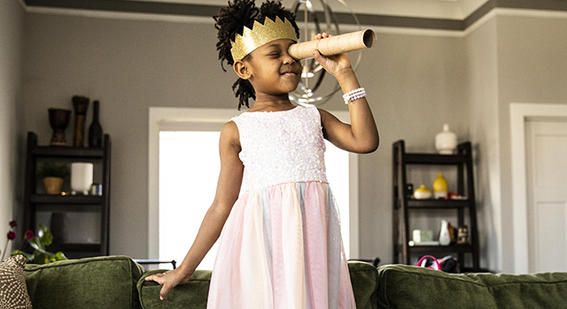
(422, 193)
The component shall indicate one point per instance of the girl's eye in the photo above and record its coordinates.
(274, 55)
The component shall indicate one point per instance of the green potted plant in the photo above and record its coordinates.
(52, 174)
(39, 244)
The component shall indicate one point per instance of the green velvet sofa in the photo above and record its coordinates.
(118, 282)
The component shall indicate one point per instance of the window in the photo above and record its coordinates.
(187, 179)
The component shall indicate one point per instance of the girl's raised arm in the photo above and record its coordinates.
(228, 187)
(361, 136)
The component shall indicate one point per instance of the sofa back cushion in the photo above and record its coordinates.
(193, 294)
(402, 286)
(363, 277)
(98, 282)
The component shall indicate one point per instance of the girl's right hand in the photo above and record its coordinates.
(169, 280)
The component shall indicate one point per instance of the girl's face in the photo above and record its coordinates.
(272, 70)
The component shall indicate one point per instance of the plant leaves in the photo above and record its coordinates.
(45, 235)
(28, 256)
(59, 256)
(41, 258)
(39, 244)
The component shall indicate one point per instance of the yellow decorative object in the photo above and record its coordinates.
(440, 187)
(260, 35)
(422, 193)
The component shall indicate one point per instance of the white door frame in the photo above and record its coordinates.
(519, 114)
(160, 117)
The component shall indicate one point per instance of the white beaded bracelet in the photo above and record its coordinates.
(354, 95)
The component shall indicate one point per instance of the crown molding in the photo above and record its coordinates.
(185, 12)
(22, 3)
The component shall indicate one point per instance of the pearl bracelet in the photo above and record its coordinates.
(354, 95)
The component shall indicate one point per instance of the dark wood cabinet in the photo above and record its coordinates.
(36, 201)
(403, 203)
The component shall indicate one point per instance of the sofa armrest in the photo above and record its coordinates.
(192, 294)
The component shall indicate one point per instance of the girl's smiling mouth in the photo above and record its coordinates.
(289, 72)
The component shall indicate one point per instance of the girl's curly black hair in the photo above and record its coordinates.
(232, 20)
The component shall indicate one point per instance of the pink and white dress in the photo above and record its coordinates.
(281, 245)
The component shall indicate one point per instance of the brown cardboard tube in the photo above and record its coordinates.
(334, 45)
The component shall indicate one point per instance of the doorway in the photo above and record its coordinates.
(546, 167)
(539, 213)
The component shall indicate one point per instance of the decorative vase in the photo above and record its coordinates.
(444, 237)
(58, 119)
(81, 177)
(422, 193)
(95, 130)
(58, 227)
(446, 141)
(81, 105)
(52, 185)
(440, 187)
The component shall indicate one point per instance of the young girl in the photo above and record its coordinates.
(280, 245)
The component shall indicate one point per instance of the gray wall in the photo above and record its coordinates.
(128, 66)
(11, 40)
(415, 84)
(532, 68)
(510, 59)
(482, 96)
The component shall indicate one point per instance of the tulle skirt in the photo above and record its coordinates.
(281, 247)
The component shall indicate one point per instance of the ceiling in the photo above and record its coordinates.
(440, 9)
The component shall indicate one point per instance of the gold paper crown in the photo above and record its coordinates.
(260, 35)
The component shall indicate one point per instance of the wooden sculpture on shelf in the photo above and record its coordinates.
(81, 105)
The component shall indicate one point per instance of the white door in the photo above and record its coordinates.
(546, 154)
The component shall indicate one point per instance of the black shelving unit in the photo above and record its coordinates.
(36, 202)
(403, 203)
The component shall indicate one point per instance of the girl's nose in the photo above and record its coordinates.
(288, 59)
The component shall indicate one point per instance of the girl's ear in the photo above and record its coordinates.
(241, 69)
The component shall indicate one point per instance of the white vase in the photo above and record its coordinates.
(81, 177)
(444, 238)
(446, 141)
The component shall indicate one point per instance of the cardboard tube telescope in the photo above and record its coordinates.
(334, 45)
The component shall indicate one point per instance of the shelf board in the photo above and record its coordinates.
(75, 208)
(437, 203)
(435, 159)
(68, 152)
(75, 247)
(69, 199)
(438, 249)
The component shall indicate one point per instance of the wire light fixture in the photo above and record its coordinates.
(314, 17)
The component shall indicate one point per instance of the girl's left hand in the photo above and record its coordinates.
(334, 64)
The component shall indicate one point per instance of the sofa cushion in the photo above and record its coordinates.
(402, 286)
(193, 294)
(97, 282)
(13, 292)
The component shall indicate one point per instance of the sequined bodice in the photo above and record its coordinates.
(281, 147)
